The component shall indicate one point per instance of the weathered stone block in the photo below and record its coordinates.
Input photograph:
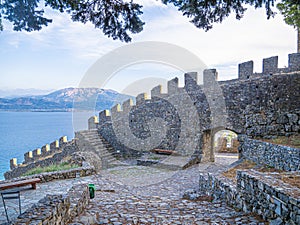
(245, 70)
(294, 62)
(93, 123)
(270, 65)
(13, 163)
(54, 145)
(63, 141)
(28, 157)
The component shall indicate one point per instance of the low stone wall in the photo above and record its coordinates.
(269, 197)
(58, 175)
(277, 156)
(66, 174)
(220, 187)
(254, 192)
(56, 209)
(56, 158)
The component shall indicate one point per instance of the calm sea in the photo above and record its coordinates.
(25, 131)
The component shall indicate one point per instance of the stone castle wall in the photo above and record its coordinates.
(256, 104)
(185, 119)
(51, 154)
(41, 153)
(56, 158)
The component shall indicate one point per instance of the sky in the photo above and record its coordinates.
(60, 54)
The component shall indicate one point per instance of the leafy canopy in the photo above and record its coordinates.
(114, 17)
(120, 18)
(290, 10)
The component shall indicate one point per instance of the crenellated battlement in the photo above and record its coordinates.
(127, 105)
(104, 116)
(234, 104)
(141, 98)
(210, 77)
(40, 153)
(173, 86)
(93, 122)
(269, 67)
(262, 104)
(45, 150)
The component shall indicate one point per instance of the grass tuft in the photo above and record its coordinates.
(51, 168)
(291, 141)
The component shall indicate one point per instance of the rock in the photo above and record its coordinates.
(277, 221)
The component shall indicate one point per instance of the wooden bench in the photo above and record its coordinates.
(21, 183)
(164, 151)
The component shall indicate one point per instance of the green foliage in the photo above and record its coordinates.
(290, 9)
(114, 18)
(51, 168)
(1, 26)
(206, 12)
(120, 18)
(24, 14)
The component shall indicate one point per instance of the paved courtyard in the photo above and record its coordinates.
(144, 195)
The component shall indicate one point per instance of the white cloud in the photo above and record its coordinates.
(227, 44)
(252, 38)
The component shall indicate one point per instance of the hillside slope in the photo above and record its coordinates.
(64, 100)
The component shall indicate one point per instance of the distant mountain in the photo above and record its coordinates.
(65, 100)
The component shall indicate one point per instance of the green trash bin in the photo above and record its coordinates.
(92, 190)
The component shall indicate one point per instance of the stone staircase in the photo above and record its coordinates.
(96, 150)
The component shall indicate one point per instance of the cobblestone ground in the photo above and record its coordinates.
(29, 196)
(141, 195)
(144, 195)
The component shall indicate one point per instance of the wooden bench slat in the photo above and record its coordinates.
(31, 182)
(166, 151)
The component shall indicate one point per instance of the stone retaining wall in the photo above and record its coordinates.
(220, 188)
(277, 156)
(269, 197)
(66, 174)
(254, 192)
(56, 209)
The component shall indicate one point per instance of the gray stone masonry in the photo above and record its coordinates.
(276, 156)
(56, 209)
(258, 105)
(245, 70)
(17, 171)
(270, 65)
(255, 193)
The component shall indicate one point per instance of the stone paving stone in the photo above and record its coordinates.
(135, 200)
(30, 196)
(141, 195)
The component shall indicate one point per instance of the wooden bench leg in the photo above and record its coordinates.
(34, 186)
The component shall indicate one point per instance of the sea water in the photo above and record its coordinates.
(21, 132)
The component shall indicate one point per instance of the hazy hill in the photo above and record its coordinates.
(65, 100)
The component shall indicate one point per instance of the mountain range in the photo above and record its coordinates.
(82, 99)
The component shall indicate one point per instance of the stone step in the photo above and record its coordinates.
(91, 141)
(102, 151)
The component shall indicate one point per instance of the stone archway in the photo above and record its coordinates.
(209, 143)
